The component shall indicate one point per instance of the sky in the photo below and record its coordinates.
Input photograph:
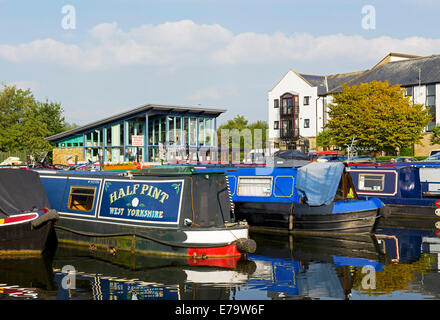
(100, 58)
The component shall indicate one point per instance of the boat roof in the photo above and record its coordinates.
(395, 166)
(21, 191)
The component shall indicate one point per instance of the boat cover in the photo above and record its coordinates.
(20, 191)
(317, 182)
(287, 159)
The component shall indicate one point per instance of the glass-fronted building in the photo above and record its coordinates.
(147, 134)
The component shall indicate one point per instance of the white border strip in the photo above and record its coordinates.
(215, 236)
(21, 221)
(91, 214)
(372, 172)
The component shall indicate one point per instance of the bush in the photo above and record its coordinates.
(407, 152)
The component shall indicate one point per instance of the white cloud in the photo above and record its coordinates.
(24, 85)
(185, 43)
(261, 48)
(205, 94)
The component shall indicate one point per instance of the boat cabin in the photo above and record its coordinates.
(397, 183)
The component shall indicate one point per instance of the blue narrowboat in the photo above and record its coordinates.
(172, 213)
(316, 197)
(410, 191)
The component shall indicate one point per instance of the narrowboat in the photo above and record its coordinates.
(26, 220)
(410, 191)
(177, 212)
(316, 197)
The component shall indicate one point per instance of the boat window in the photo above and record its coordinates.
(81, 198)
(254, 186)
(371, 182)
(340, 191)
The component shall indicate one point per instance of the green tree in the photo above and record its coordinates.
(25, 122)
(324, 139)
(240, 126)
(380, 116)
(435, 138)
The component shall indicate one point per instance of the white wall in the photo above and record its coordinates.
(294, 83)
(419, 94)
(437, 103)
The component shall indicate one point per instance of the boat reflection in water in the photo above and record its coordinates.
(136, 277)
(313, 267)
(395, 262)
(284, 267)
(27, 277)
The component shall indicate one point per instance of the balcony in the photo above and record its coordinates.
(289, 133)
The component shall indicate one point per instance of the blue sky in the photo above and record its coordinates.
(221, 54)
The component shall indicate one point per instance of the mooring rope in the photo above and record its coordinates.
(171, 244)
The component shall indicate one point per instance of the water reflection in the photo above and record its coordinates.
(396, 262)
(312, 267)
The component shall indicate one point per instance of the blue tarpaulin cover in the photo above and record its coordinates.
(318, 182)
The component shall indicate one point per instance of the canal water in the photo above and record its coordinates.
(398, 262)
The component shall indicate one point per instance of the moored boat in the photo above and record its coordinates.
(26, 220)
(175, 212)
(317, 197)
(411, 191)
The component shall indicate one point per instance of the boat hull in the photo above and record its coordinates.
(290, 218)
(193, 242)
(24, 237)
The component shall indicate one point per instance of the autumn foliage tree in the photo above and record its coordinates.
(379, 116)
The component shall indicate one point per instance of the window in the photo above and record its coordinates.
(254, 186)
(109, 136)
(371, 182)
(81, 198)
(276, 125)
(409, 92)
(306, 100)
(276, 103)
(192, 131)
(430, 100)
(306, 123)
(284, 127)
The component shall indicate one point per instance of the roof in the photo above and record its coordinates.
(335, 80)
(389, 58)
(150, 108)
(316, 81)
(403, 72)
(328, 83)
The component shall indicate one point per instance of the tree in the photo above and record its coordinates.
(379, 116)
(324, 139)
(435, 138)
(239, 127)
(25, 122)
